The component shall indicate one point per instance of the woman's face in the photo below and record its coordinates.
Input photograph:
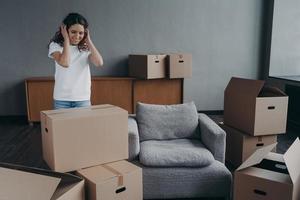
(76, 33)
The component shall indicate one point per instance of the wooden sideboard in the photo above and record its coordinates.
(124, 92)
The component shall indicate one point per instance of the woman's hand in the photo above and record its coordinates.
(88, 37)
(64, 32)
(95, 57)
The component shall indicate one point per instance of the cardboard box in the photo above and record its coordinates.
(179, 65)
(25, 183)
(269, 176)
(73, 139)
(118, 180)
(147, 66)
(239, 145)
(254, 108)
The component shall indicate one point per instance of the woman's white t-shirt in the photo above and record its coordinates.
(72, 83)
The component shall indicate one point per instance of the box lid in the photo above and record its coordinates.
(256, 157)
(82, 112)
(17, 185)
(27, 183)
(243, 89)
(292, 160)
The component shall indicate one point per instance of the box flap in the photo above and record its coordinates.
(244, 88)
(257, 156)
(269, 91)
(292, 160)
(96, 174)
(20, 185)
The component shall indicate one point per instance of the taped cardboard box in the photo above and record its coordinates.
(26, 183)
(179, 65)
(83, 137)
(117, 180)
(239, 145)
(269, 176)
(254, 108)
(147, 66)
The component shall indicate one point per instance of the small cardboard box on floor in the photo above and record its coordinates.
(113, 181)
(73, 139)
(269, 176)
(147, 66)
(25, 183)
(239, 145)
(179, 65)
(254, 108)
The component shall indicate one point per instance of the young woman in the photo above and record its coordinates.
(72, 49)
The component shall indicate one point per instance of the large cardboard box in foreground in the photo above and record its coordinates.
(83, 137)
(147, 66)
(113, 181)
(253, 108)
(269, 176)
(179, 65)
(25, 183)
(239, 145)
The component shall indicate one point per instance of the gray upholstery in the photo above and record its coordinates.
(183, 182)
(160, 122)
(175, 153)
(213, 137)
(165, 182)
(133, 139)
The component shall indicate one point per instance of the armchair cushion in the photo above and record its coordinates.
(161, 122)
(175, 153)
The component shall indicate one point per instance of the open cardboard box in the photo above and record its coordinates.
(26, 183)
(254, 108)
(269, 176)
(77, 138)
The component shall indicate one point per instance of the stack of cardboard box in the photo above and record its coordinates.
(253, 115)
(160, 66)
(92, 141)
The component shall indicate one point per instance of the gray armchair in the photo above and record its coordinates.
(176, 165)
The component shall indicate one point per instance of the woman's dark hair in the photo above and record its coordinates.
(71, 19)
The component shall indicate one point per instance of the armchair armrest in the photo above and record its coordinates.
(213, 137)
(133, 139)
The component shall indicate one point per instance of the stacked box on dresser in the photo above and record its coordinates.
(175, 65)
(91, 138)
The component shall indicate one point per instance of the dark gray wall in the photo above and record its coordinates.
(223, 37)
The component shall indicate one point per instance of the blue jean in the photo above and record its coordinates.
(70, 104)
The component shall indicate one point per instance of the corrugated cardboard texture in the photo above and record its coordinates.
(239, 145)
(25, 183)
(251, 109)
(179, 65)
(271, 183)
(79, 138)
(117, 180)
(147, 66)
